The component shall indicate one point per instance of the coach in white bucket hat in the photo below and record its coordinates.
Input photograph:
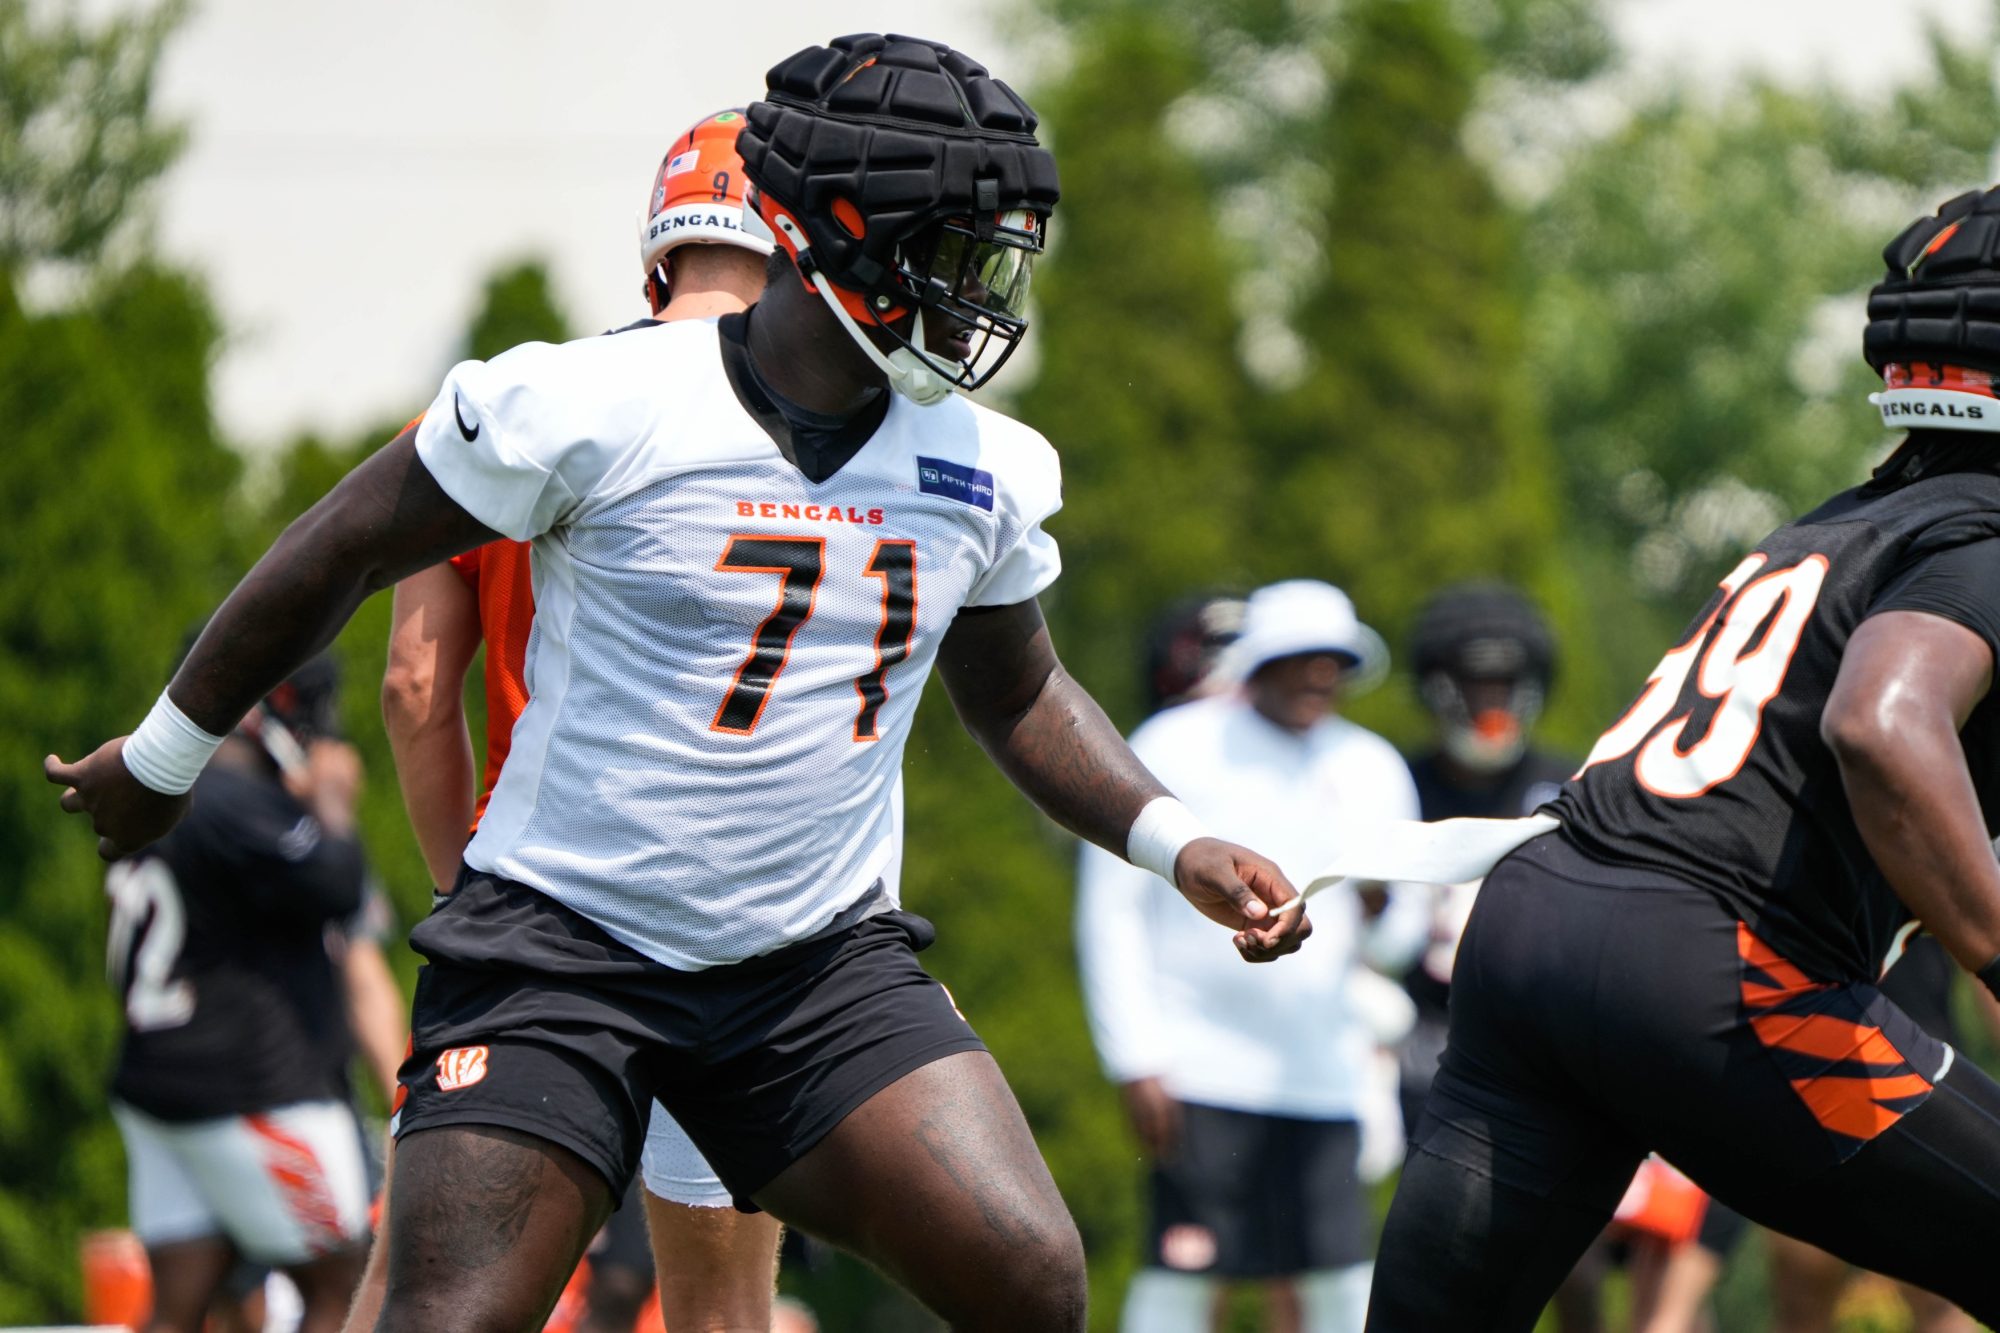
(1302, 616)
(1264, 1098)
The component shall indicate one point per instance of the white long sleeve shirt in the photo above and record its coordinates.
(1168, 995)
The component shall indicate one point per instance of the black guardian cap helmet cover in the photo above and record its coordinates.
(908, 185)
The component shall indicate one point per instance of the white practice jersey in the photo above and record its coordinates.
(726, 655)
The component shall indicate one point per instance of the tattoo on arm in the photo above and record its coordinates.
(1040, 727)
(385, 519)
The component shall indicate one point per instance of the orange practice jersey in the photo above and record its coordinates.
(498, 575)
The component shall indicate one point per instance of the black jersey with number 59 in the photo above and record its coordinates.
(1717, 773)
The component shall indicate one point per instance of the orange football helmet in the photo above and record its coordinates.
(697, 196)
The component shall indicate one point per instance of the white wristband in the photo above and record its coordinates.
(1162, 829)
(168, 752)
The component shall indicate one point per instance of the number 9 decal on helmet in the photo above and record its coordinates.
(697, 198)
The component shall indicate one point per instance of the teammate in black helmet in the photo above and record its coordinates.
(1689, 964)
(1183, 644)
(1484, 659)
(752, 540)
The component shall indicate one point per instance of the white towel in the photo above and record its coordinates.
(1448, 851)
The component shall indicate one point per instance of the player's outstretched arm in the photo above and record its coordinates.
(433, 635)
(1907, 683)
(386, 519)
(1053, 742)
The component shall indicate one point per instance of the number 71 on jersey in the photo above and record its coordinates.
(799, 562)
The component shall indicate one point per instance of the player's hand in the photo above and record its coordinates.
(1155, 1116)
(1242, 890)
(126, 813)
(329, 785)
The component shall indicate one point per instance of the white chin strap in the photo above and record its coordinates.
(909, 373)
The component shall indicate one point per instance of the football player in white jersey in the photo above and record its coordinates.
(713, 1264)
(752, 540)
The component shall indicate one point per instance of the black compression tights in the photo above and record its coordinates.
(1921, 1203)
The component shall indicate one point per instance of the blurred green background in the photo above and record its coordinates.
(1353, 290)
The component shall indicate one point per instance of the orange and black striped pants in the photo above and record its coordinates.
(1598, 1015)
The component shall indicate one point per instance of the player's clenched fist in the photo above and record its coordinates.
(125, 812)
(1235, 886)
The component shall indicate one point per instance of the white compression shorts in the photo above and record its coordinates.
(675, 1170)
(285, 1186)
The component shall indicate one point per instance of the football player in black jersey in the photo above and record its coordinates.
(1484, 658)
(230, 1088)
(1688, 964)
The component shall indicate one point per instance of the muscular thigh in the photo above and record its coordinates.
(488, 1223)
(792, 1043)
(1821, 1110)
(1519, 1158)
(937, 1180)
(1920, 1201)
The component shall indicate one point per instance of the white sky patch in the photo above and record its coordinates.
(1868, 45)
(357, 169)
(1825, 354)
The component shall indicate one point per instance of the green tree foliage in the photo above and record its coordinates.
(1414, 453)
(115, 483)
(79, 139)
(518, 305)
(1697, 282)
(1138, 383)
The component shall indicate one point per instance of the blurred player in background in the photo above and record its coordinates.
(753, 539)
(231, 1087)
(1689, 964)
(1484, 658)
(1246, 1087)
(377, 1013)
(1183, 645)
(715, 1265)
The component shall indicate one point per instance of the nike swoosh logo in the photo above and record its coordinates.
(469, 432)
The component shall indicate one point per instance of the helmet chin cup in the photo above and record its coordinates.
(909, 372)
(913, 377)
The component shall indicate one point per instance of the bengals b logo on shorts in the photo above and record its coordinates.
(461, 1067)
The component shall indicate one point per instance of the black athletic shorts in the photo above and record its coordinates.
(1258, 1196)
(1598, 1013)
(529, 1016)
